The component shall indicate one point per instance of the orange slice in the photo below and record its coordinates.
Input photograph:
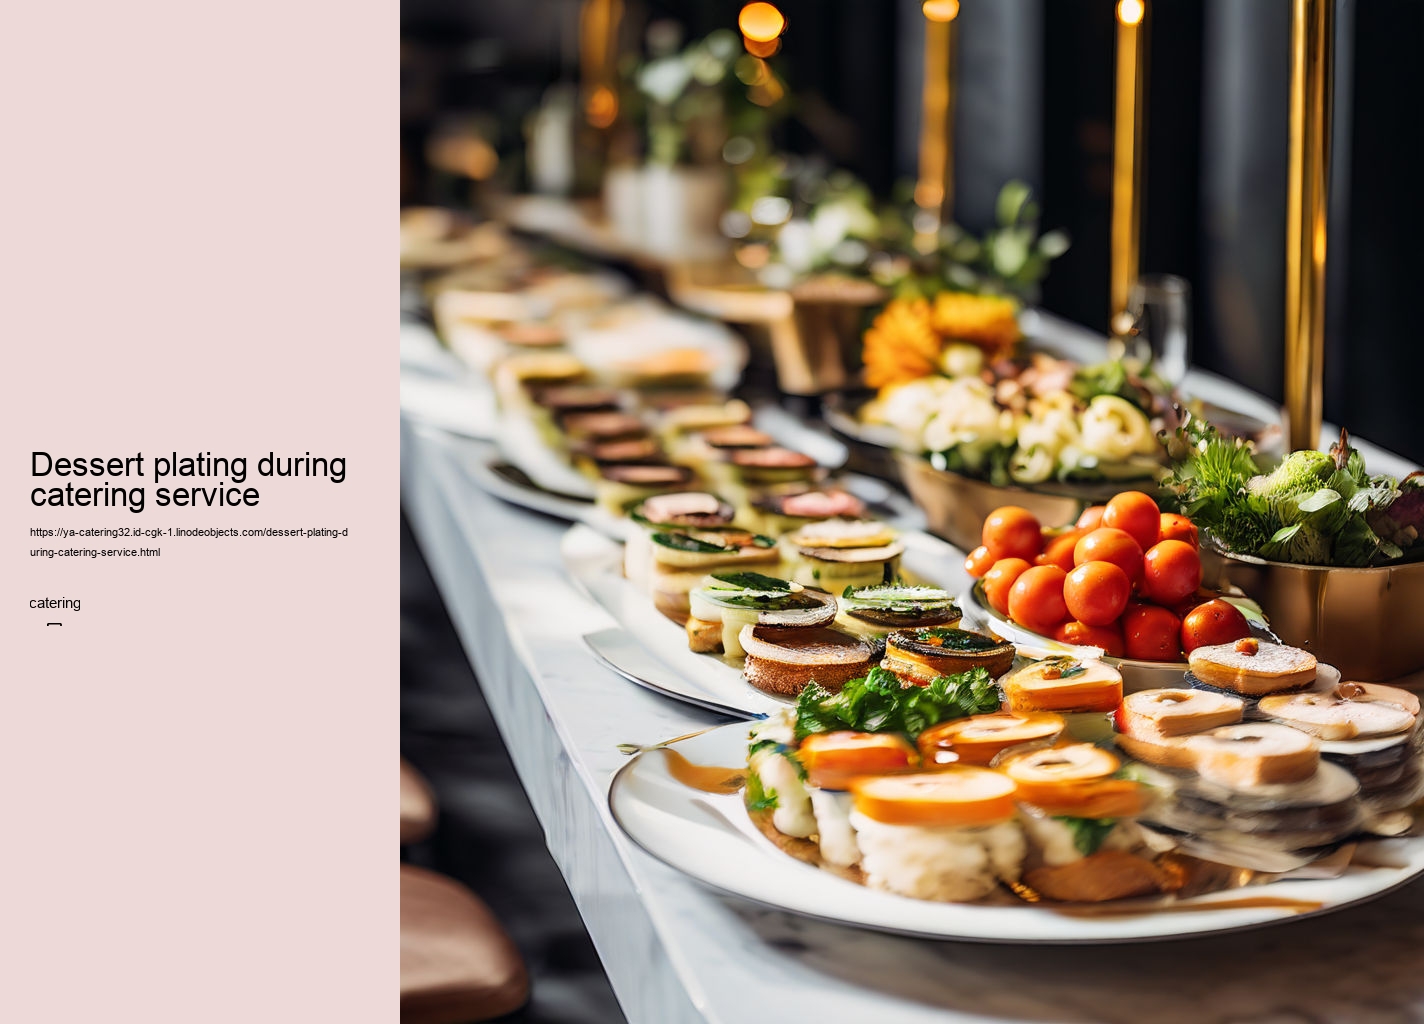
(833, 759)
(960, 797)
(978, 740)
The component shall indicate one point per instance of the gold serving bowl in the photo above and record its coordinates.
(1367, 622)
(956, 506)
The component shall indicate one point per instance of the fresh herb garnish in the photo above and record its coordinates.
(1315, 508)
(1088, 833)
(952, 639)
(759, 797)
(762, 602)
(751, 581)
(684, 542)
(1062, 668)
(879, 702)
(897, 597)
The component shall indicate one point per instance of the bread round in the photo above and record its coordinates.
(782, 661)
(1273, 668)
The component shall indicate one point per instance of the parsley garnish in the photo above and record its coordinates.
(759, 798)
(879, 702)
(1088, 833)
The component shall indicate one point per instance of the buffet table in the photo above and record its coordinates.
(676, 951)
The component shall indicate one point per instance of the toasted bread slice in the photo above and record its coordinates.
(1252, 668)
(1106, 875)
(1165, 751)
(1254, 754)
(1377, 692)
(843, 534)
(782, 660)
(1330, 718)
(1156, 714)
(1064, 684)
(703, 636)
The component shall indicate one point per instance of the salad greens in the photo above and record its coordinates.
(759, 797)
(1088, 833)
(1315, 508)
(749, 581)
(879, 702)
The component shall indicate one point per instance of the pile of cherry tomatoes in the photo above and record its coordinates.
(1126, 577)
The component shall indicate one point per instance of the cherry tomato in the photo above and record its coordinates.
(1171, 571)
(979, 562)
(1036, 598)
(1108, 545)
(1080, 634)
(1135, 514)
(1150, 633)
(1013, 532)
(1175, 527)
(1059, 550)
(1096, 593)
(1215, 622)
(1091, 518)
(1184, 607)
(1000, 579)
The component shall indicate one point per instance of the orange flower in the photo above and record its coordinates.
(989, 321)
(901, 344)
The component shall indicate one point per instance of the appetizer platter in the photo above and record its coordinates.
(1047, 806)
(686, 640)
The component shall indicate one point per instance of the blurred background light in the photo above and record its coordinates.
(761, 22)
(941, 10)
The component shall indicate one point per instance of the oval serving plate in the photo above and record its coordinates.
(712, 839)
(1136, 675)
(651, 650)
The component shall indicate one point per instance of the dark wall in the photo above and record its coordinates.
(1214, 203)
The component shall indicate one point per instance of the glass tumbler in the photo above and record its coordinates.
(1161, 308)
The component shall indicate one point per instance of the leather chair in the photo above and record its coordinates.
(457, 965)
(417, 812)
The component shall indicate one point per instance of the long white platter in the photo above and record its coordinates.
(711, 838)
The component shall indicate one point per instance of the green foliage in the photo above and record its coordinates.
(750, 581)
(1088, 833)
(879, 702)
(1312, 509)
(759, 797)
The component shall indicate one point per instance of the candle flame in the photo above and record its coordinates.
(602, 107)
(1130, 12)
(940, 10)
(761, 22)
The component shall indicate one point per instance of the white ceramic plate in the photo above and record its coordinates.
(712, 839)
(524, 447)
(494, 475)
(652, 650)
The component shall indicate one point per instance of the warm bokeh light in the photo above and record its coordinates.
(758, 48)
(761, 22)
(941, 10)
(464, 154)
(602, 107)
(1130, 12)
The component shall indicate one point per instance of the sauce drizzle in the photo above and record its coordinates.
(706, 778)
(1243, 903)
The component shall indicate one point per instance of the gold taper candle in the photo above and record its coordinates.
(1128, 119)
(1312, 37)
(934, 190)
(598, 53)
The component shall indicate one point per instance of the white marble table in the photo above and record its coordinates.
(675, 951)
